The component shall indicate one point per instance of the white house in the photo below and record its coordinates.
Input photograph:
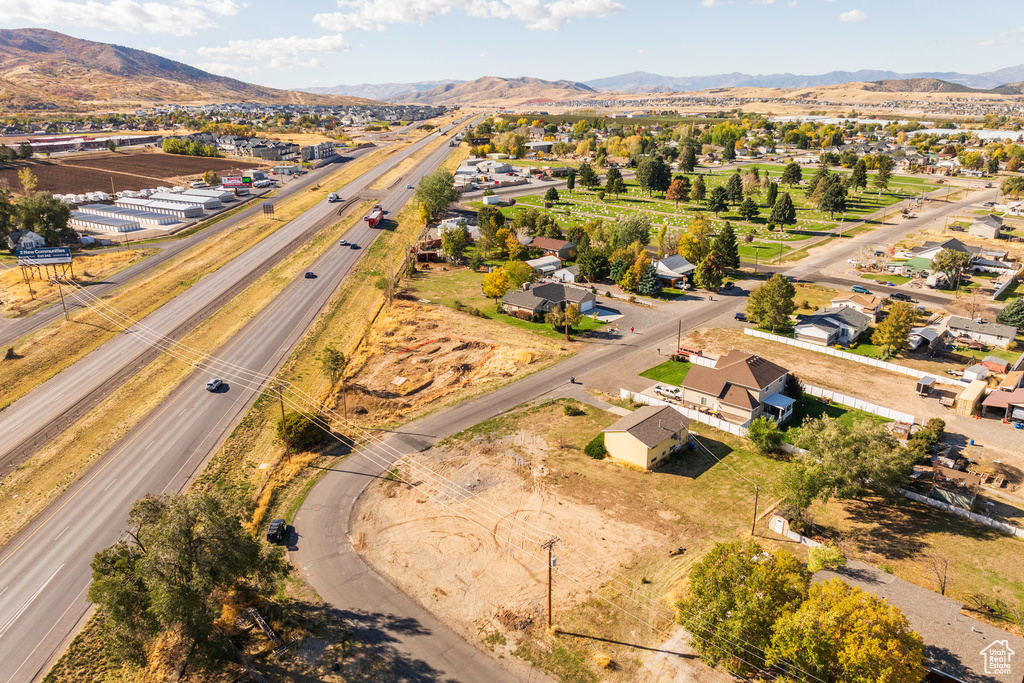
(987, 227)
(545, 265)
(25, 239)
(832, 325)
(993, 334)
(673, 268)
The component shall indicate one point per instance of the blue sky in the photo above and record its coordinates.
(328, 42)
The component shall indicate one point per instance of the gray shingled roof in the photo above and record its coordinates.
(651, 424)
(825, 316)
(961, 323)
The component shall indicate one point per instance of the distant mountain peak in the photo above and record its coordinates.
(513, 91)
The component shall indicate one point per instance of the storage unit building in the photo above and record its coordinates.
(89, 221)
(220, 195)
(177, 210)
(208, 203)
(147, 218)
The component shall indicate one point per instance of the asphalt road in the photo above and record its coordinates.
(44, 571)
(33, 419)
(12, 329)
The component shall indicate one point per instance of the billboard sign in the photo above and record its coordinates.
(236, 181)
(45, 256)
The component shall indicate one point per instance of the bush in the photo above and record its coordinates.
(764, 435)
(827, 556)
(487, 193)
(595, 449)
(303, 432)
(573, 410)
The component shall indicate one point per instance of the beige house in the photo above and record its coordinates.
(865, 303)
(740, 388)
(647, 436)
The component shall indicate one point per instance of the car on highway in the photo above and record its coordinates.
(409, 187)
(343, 243)
(276, 531)
(353, 246)
(900, 296)
(742, 317)
(887, 283)
(214, 384)
(310, 275)
(861, 289)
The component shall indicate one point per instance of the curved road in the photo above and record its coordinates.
(44, 570)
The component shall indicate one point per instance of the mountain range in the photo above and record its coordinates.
(492, 89)
(41, 69)
(642, 81)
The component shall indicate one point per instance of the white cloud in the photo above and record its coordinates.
(986, 43)
(277, 53)
(541, 15)
(226, 69)
(764, 2)
(853, 15)
(709, 3)
(792, 3)
(179, 19)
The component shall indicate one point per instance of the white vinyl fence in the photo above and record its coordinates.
(695, 415)
(966, 514)
(845, 355)
(703, 360)
(1002, 287)
(859, 404)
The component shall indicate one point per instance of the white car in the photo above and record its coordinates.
(853, 261)
(668, 392)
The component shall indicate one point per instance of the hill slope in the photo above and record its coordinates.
(919, 85)
(377, 91)
(491, 89)
(41, 69)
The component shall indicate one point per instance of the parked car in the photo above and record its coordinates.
(861, 289)
(957, 228)
(668, 392)
(728, 285)
(310, 275)
(276, 531)
(989, 204)
(742, 317)
(214, 384)
(900, 296)
(887, 283)
(853, 261)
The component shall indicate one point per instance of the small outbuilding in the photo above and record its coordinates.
(968, 400)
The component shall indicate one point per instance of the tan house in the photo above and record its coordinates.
(647, 436)
(740, 387)
(865, 303)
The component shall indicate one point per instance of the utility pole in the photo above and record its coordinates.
(753, 522)
(284, 424)
(62, 304)
(550, 545)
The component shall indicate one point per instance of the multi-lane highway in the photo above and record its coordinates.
(63, 399)
(44, 570)
(14, 329)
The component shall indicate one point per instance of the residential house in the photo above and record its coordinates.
(570, 274)
(534, 299)
(554, 247)
(955, 487)
(673, 269)
(647, 436)
(545, 265)
(741, 387)
(865, 303)
(957, 647)
(828, 326)
(987, 226)
(992, 334)
(25, 239)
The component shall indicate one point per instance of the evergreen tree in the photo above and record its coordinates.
(748, 209)
(649, 284)
(709, 273)
(570, 182)
(734, 188)
(688, 159)
(773, 193)
(716, 200)
(792, 174)
(729, 151)
(834, 199)
(859, 176)
(885, 166)
(783, 213)
(725, 248)
(588, 178)
(699, 189)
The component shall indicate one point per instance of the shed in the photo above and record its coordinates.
(492, 200)
(976, 371)
(967, 401)
(925, 385)
(545, 265)
(996, 365)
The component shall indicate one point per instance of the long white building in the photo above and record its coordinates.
(89, 221)
(176, 209)
(208, 203)
(148, 218)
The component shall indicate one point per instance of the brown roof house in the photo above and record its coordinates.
(552, 247)
(865, 303)
(540, 299)
(647, 436)
(741, 387)
(955, 487)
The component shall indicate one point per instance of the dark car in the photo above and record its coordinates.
(276, 531)
(741, 317)
(310, 275)
(900, 296)
(353, 246)
(728, 285)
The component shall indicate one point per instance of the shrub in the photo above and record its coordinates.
(595, 449)
(487, 193)
(303, 432)
(827, 556)
(573, 410)
(764, 435)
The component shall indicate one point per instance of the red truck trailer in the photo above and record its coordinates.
(376, 217)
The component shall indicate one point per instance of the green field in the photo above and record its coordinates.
(670, 372)
(810, 407)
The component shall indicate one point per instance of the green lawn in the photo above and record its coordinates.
(810, 407)
(670, 372)
(886, 277)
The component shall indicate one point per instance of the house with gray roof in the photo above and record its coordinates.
(827, 326)
(992, 334)
(986, 226)
(532, 300)
(647, 436)
(672, 269)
